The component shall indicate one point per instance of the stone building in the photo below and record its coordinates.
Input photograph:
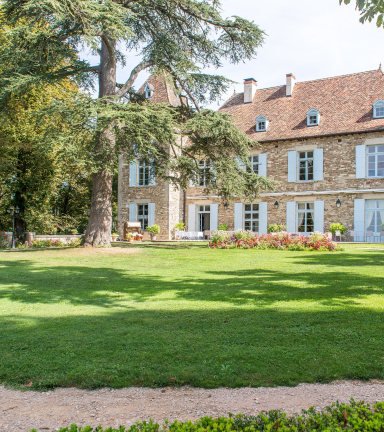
(322, 140)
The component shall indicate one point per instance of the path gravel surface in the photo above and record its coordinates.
(21, 411)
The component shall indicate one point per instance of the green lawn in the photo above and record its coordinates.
(182, 314)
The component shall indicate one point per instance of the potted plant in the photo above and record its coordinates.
(223, 227)
(114, 236)
(153, 231)
(129, 236)
(178, 227)
(275, 228)
(337, 227)
(74, 232)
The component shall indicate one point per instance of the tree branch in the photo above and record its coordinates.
(93, 69)
(132, 78)
(189, 94)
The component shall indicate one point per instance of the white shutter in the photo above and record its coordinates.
(214, 218)
(359, 218)
(132, 174)
(151, 214)
(291, 216)
(263, 165)
(360, 161)
(190, 183)
(191, 217)
(319, 216)
(318, 164)
(292, 175)
(263, 218)
(132, 212)
(152, 178)
(238, 216)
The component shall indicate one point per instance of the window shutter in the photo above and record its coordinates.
(360, 161)
(263, 218)
(238, 216)
(151, 214)
(292, 166)
(132, 174)
(319, 216)
(152, 178)
(240, 163)
(190, 183)
(214, 218)
(191, 217)
(132, 212)
(263, 165)
(291, 216)
(359, 218)
(318, 164)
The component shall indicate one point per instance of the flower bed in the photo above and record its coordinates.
(282, 240)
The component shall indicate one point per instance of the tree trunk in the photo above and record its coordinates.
(98, 233)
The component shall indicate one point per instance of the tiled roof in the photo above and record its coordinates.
(345, 105)
(162, 91)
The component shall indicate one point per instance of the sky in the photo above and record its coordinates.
(310, 38)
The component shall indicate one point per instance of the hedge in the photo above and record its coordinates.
(355, 416)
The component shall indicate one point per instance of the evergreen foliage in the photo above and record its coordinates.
(176, 39)
(370, 9)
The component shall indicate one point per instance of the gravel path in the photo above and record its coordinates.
(21, 411)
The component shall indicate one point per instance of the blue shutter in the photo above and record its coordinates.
(263, 165)
(151, 214)
(360, 161)
(191, 217)
(318, 164)
(359, 218)
(291, 216)
(132, 212)
(132, 174)
(152, 177)
(214, 218)
(263, 218)
(238, 216)
(292, 175)
(319, 216)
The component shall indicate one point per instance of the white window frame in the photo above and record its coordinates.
(379, 105)
(204, 167)
(376, 154)
(143, 217)
(252, 220)
(254, 162)
(375, 209)
(313, 114)
(306, 159)
(148, 91)
(261, 124)
(146, 170)
(305, 211)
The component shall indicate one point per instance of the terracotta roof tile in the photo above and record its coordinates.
(162, 91)
(345, 105)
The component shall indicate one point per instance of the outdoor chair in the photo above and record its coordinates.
(368, 234)
(381, 238)
(354, 235)
(337, 234)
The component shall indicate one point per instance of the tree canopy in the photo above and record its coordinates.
(177, 39)
(370, 9)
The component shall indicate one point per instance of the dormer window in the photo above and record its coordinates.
(378, 109)
(313, 117)
(148, 91)
(261, 124)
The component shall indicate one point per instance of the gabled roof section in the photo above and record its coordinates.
(162, 91)
(345, 103)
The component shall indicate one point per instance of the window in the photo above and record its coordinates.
(251, 217)
(305, 217)
(142, 215)
(148, 91)
(375, 158)
(313, 117)
(374, 215)
(203, 173)
(144, 173)
(378, 109)
(254, 161)
(261, 124)
(306, 166)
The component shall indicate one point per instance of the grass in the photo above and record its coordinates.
(173, 314)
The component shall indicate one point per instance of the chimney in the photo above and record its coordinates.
(291, 80)
(250, 86)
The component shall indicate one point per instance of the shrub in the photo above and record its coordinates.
(223, 227)
(337, 227)
(54, 243)
(276, 228)
(4, 241)
(153, 229)
(180, 226)
(355, 416)
(280, 240)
